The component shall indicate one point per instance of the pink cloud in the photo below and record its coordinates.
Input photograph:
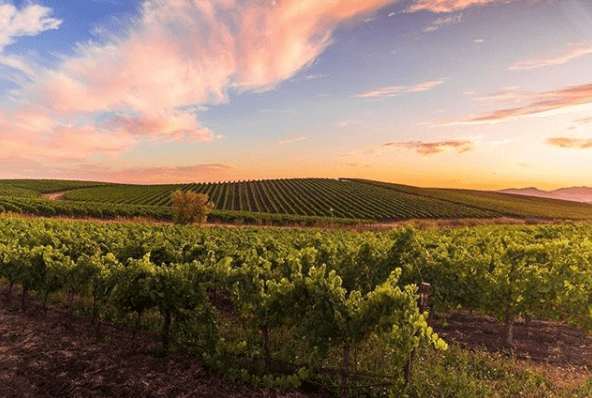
(171, 128)
(158, 175)
(394, 91)
(177, 55)
(442, 6)
(184, 52)
(567, 142)
(540, 102)
(280, 39)
(431, 148)
(22, 167)
(77, 144)
(575, 51)
(31, 134)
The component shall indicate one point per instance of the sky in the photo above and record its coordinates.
(476, 94)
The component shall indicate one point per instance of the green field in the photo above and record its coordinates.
(305, 200)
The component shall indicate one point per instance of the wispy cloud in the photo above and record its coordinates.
(442, 6)
(570, 142)
(584, 121)
(513, 96)
(317, 76)
(349, 123)
(394, 91)
(29, 20)
(160, 174)
(181, 127)
(290, 140)
(441, 22)
(272, 110)
(114, 2)
(575, 51)
(540, 102)
(357, 165)
(310, 76)
(431, 148)
(66, 144)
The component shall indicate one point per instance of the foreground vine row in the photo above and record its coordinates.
(300, 303)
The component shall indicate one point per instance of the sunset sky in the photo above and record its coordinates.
(484, 94)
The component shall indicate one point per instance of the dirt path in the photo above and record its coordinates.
(54, 195)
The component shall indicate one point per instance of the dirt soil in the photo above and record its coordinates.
(538, 342)
(56, 355)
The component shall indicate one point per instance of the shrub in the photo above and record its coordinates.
(190, 207)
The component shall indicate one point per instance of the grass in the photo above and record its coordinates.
(459, 373)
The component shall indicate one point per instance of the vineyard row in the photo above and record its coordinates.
(303, 298)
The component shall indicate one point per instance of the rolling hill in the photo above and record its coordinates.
(574, 194)
(308, 199)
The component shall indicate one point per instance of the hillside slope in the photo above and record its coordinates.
(319, 198)
(303, 196)
(574, 194)
(499, 202)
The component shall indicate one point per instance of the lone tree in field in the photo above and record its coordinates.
(190, 207)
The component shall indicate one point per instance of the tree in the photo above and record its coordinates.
(190, 207)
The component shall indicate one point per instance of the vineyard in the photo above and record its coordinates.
(497, 202)
(274, 308)
(306, 196)
(34, 187)
(304, 201)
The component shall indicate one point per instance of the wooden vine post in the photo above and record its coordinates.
(266, 347)
(345, 371)
(424, 295)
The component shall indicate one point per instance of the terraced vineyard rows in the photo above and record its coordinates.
(307, 197)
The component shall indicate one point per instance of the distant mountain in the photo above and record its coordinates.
(574, 194)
